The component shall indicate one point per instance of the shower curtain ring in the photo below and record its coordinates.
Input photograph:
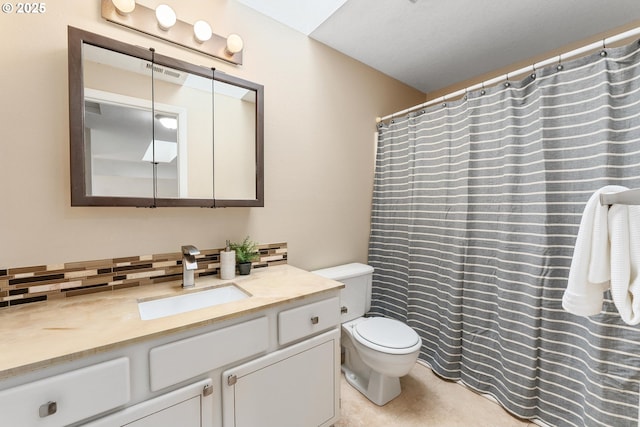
(603, 53)
(559, 67)
(533, 73)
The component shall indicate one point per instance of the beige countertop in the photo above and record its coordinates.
(40, 334)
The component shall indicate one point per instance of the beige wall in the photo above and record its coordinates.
(319, 144)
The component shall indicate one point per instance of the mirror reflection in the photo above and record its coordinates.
(118, 124)
(235, 115)
(175, 135)
(189, 97)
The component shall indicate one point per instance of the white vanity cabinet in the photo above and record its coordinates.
(275, 366)
(296, 386)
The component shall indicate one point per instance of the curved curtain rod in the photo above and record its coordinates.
(563, 56)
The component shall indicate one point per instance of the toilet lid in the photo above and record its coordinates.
(388, 333)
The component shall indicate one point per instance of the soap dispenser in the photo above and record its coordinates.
(227, 263)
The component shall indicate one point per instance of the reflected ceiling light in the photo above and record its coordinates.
(168, 122)
(202, 31)
(234, 44)
(160, 152)
(124, 7)
(166, 16)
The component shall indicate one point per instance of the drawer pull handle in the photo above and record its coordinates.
(207, 390)
(47, 409)
(232, 379)
(315, 320)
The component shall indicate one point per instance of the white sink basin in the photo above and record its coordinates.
(169, 306)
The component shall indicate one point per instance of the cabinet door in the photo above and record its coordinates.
(184, 414)
(190, 406)
(294, 387)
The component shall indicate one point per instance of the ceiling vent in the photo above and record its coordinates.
(166, 74)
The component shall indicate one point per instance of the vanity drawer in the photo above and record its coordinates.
(308, 319)
(67, 398)
(180, 360)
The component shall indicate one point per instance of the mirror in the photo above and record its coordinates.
(148, 130)
(183, 108)
(235, 144)
(118, 124)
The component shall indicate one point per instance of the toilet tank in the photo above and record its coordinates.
(356, 295)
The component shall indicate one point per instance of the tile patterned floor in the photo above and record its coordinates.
(426, 401)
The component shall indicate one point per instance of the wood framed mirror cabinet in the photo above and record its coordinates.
(148, 130)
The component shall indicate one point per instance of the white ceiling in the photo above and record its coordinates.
(431, 44)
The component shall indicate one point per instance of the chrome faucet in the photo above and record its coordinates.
(189, 265)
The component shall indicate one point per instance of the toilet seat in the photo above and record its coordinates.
(386, 335)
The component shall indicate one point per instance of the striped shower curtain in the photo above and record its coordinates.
(476, 209)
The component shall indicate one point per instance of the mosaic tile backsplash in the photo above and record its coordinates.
(25, 285)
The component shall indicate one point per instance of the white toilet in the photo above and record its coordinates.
(377, 350)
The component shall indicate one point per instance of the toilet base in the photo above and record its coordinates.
(378, 388)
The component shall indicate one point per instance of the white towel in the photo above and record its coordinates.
(606, 256)
(624, 234)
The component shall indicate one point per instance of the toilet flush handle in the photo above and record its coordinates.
(315, 320)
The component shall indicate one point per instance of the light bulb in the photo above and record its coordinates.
(166, 16)
(202, 31)
(124, 7)
(234, 44)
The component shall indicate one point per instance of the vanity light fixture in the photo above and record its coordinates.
(163, 23)
(166, 17)
(202, 31)
(124, 7)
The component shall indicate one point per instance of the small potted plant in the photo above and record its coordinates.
(246, 252)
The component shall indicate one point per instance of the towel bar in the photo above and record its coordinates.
(629, 197)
